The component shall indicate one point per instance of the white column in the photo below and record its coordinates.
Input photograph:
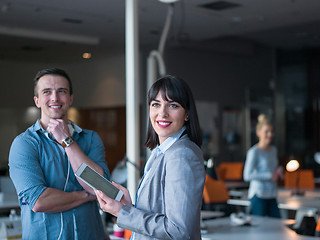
(132, 95)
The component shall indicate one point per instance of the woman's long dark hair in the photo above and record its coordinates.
(178, 91)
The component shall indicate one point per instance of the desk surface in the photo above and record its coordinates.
(8, 201)
(236, 185)
(310, 200)
(262, 228)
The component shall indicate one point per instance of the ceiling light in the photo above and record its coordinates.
(292, 165)
(236, 19)
(5, 7)
(220, 5)
(168, 1)
(72, 20)
(86, 55)
(53, 36)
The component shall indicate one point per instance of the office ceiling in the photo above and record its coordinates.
(46, 29)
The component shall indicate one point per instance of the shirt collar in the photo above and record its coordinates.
(75, 127)
(72, 128)
(160, 149)
(170, 140)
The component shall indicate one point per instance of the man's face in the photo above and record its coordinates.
(53, 98)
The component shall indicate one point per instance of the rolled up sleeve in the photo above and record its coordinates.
(25, 170)
(97, 153)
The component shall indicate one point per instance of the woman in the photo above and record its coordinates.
(261, 169)
(169, 196)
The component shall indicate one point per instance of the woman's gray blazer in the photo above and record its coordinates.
(169, 204)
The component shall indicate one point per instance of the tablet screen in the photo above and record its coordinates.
(98, 182)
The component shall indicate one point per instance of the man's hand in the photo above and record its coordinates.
(53, 200)
(59, 129)
(87, 196)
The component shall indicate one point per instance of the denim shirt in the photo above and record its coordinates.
(37, 162)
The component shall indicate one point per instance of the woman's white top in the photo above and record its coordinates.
(258, 169)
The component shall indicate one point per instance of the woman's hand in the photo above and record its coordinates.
(277, 174)
(126, 199)
(280, 172)
(110, 205)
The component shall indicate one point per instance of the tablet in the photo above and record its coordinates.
(98, 182)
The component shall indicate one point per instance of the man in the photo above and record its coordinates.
(42, 160)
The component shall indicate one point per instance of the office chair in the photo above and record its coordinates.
(230, 170)
(299, 179)
(215, 196)
(214, 191)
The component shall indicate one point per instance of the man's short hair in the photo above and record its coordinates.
(51, 71)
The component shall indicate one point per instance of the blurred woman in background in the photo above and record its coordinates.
(262, 171)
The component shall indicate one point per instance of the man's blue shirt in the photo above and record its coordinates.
(37, 162)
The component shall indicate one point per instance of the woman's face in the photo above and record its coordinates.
(265, 134)
(167, 117)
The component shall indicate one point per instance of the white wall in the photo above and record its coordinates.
(213, 76)
(222, 77)
(97, 83)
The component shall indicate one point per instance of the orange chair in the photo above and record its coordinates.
(317, 232)
(214, 191)
(127, 234)
(306, 179)
(230, 170)
(290, 179)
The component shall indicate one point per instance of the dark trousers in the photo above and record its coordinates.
(264, 207)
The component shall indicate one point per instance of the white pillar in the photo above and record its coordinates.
(132, 95)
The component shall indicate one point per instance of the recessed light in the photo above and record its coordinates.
(220, 5)
(237, 19)
(154, 32)
(72, 20)
(168, 1)
(86, 55)
(31, 48)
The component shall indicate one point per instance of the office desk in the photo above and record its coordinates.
(311, 200)
(211, 214)
(262, 228)
(232, 185)
(8, 201)
(288, 204)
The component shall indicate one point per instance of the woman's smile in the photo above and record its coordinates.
(167, 117)
(163, 124)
